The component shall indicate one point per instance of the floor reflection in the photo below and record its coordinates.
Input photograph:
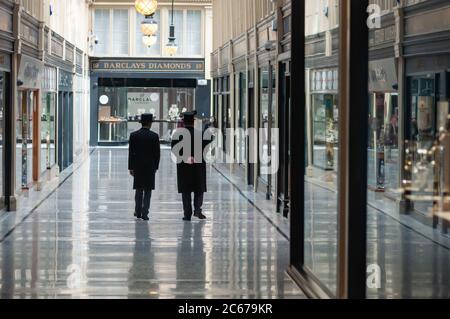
(142, 280)
(87, 229)
(191, 259)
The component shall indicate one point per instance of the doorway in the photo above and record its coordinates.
(65, 130)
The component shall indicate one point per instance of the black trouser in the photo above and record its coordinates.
(142, 198)
(187, 203)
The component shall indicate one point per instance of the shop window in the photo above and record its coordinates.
(24, 141)
(321, 152)
(48, 119)
(120, 108)
(48, 131)
(267, 138)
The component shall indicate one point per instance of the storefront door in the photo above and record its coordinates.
(65, 130)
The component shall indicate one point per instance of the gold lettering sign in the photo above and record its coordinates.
(153, 66)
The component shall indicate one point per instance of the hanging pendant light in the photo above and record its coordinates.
(172, 47)
(149, 40)
(149, 26)
(146, 7)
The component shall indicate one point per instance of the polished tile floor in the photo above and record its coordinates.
(83, 242)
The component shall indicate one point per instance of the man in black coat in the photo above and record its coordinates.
(143, 163)
(191, 169)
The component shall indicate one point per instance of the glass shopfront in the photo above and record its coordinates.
(268, 141)
(48, 119)
(227, 118)
(421, 146)
(26, 102)
(4, 87)
(348, 241)
(241, 118)
(120, 108)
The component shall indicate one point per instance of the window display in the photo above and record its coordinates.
(48, 119)
(421, 147)
(267, 139)
(48, 131)
(120, 109)
(24, 142)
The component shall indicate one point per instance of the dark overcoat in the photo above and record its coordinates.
(191, 177)
(144, 157)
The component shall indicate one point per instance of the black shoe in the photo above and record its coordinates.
(145, 218)
(187, 219)
(200, 216)
(137, 216)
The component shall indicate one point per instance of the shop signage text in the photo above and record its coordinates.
(141, 100)
(149, 66)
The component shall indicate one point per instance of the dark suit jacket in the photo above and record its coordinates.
(144, 157)
(191, 178)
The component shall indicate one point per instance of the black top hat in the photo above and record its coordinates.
(189, 116)
(146, 118)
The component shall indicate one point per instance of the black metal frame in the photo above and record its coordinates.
(358, 60)
(8, 149)
(356, 178)
(297, 132)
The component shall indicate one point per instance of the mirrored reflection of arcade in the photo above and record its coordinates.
(121, 98)
(426, 181)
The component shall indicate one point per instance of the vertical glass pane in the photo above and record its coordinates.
(112, 114)
(408, 250)
(2, 112)
(243, 117)
(120, 32)
(194, 33)
(178, 21)
(101, 31)
(18, 128)
(264, 121)
(141, 49)
(322, 137)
